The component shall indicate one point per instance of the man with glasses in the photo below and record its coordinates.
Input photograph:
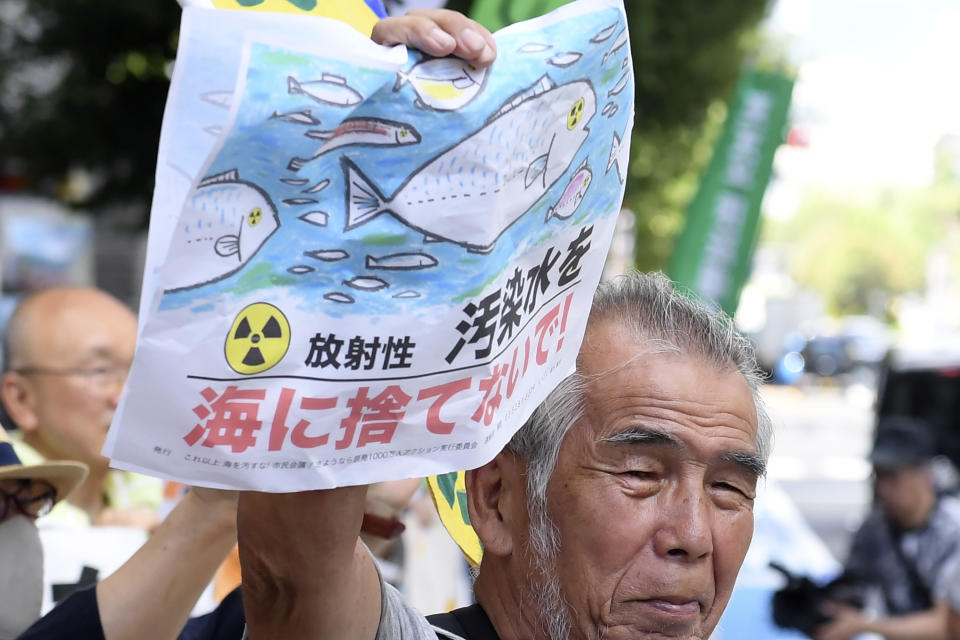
(66, 355)
(26, 492)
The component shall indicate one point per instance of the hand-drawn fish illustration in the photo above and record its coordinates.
(320, 186)
(327, 255)
(573, 194)
(329, 89)
(294, 182)
(534, 47)
(605, 33)
(617, 45)
(564, 60)
(366, 283)
(409, 293)
(336, 296)
(443, 84)
(222, 99)
(304, 117)
(609, 109)
(298, 201)
(224, 221)
(620, 152)
(621, 83)
(300, 269)
(318, 218)
(402, 261)
(359, 131)
(533, 138)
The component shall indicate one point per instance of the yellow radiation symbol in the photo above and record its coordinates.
(258, 339)
(449, 493)
(575, 113)
(254, 216)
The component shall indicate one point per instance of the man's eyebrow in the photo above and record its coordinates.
(645, 436)
(748, 461)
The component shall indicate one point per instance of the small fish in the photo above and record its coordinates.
(620, 152)
(225, 221)
(214, 129)
(534, 47)
(360, 131)
(621, 83)
(320, 186)
(222, 99)
(336, 296)
(300, 269)
(402, 261)
(329, 255)
(573, 193)
(409, 293)
(605, 33)
(617, 45)
(366, 283)
(564, 60)
(297, 117)
(609, 109)
(318, 218)
(443, 84)
(294, 182)
(537, 133)
(329, 89)
(298, 201)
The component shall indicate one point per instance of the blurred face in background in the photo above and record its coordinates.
(73, 352)
(907, 494)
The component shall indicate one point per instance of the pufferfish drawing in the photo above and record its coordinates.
(443, 84)
(503, 168)
(223, 224)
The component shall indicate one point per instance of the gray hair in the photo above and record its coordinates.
(656, 312)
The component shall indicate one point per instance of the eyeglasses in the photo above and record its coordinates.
(32, 498)
(100, 378)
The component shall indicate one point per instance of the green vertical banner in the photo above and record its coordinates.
(496, 14)
(713, 253)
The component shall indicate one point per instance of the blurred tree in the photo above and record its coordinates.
(857, 249)
(83, 86)
(103, 67)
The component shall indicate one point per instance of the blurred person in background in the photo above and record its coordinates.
(906, 546)
(67, 351)
(26, 492)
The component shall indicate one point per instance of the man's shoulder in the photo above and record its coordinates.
(946, 517)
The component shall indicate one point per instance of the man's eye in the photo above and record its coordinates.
(642, 475)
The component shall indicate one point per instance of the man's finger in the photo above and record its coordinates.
(439, 32)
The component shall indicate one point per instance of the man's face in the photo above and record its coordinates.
(652, 496)
(93, 336)
(906, 493)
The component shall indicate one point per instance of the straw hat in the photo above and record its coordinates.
(63, 475)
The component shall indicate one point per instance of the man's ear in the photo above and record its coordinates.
(496, 499)
(18, 401)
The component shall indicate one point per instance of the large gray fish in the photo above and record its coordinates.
(502, 169)
(223, 224)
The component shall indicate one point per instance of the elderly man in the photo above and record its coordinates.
(623, 508)
(907, 543)
(66, 355)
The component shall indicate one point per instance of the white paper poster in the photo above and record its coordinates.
(364, 263)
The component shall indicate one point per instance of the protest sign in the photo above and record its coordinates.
(366, 264)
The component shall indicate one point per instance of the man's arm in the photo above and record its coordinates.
(159, 585)
(305, 572)
(924, 625)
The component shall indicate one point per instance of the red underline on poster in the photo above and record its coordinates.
(388, 378)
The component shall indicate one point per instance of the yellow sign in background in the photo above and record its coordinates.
(354, 12)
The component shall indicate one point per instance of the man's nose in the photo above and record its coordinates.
(685, 532)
